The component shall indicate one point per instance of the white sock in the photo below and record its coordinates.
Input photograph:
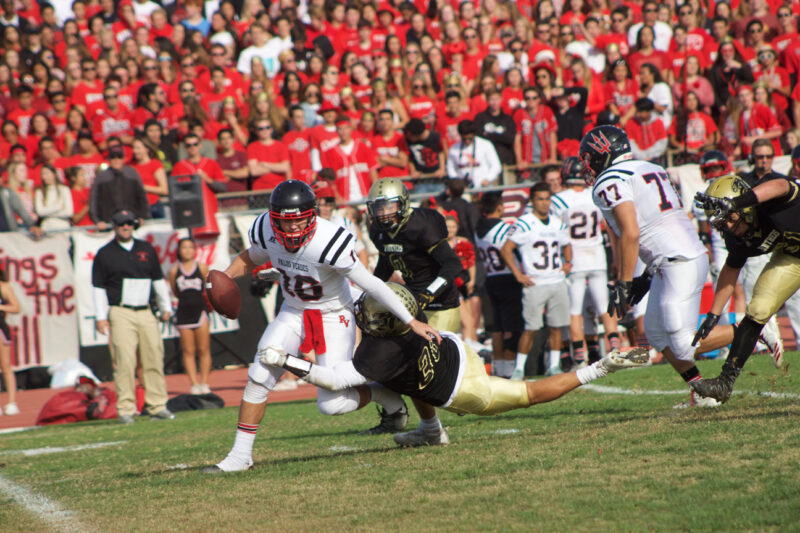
(508, 367)
(554, 359)
(242, 452)
(389, 400)
(590, 373)
(430, 425)
(522, 358)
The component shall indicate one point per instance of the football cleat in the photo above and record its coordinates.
(224, 467)
(718, 388)
(390, 423)
(418, 437)
(631, 358)
(696, 400)
(771, 337)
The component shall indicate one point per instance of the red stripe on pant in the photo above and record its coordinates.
(314, 332)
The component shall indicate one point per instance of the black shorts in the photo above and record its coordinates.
(505, 294)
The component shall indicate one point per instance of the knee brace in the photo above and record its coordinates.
(255, 392)
(512, 341)
(337, 403)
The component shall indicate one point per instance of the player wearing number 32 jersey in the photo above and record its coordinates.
(316, 259)
(642, 208)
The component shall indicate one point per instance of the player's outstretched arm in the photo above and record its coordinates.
(335, 378)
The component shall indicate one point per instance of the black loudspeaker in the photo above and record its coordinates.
(186, 201)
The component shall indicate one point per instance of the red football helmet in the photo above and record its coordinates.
(714, 164)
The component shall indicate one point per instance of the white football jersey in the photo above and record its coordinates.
(539, 244)
(488, 248)
(583, 220)
(665, 228)
(314, 276)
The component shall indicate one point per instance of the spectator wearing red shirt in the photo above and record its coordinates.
(473, 56)
(76, 177)
(647, 53)
(234, 81)
(646, 133)
(112, 119)
(698, 41)
(617, 35)
(24, 111)
(756, 122)
(233, 163)
(88, 157)
(330, 85)
(208, 169)
(693, 131)
(775, 77)
(212, 100)
(49, 155)
(154, 178)
(421, 101)
(621, 89)
(390, 148)
(352, 161)
(151, 103)
(267, 159)
(298, 142)
(513, 84)
(89, 89)
(691, 80)
(535, 140)
(447, 122)
(363, 48)
(323, 137)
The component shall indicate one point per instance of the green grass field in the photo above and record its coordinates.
(592, 461)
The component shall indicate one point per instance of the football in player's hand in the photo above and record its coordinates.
(223, 294)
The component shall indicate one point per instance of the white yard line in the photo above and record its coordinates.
(603, 389)
(61, 449)
(44, 509)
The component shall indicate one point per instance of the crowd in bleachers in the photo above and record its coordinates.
(275, 90)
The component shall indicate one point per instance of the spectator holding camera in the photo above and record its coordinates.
(473, 159)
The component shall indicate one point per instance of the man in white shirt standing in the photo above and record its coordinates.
(473, 159)
(543, 244)
(260, 49)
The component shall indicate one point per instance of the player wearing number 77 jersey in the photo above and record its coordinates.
(648, 222)
(316, 259)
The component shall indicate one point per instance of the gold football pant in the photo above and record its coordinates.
(779, 280)
(481, 394)
(445, 320)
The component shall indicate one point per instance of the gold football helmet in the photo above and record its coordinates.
(383, 192)
(727, 187)
(374, 319)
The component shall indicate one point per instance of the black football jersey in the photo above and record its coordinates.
(409, 252)
(778, 230)
(408, 364)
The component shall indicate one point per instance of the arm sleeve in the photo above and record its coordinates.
(162, 295)
(380, 291)
(657, 150)
(316, 161)
(443, 254)
(100, 299)
(338, 377)
(17, 207)
(258, 255)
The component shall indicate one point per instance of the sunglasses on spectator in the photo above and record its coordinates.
(188, 90)
(515, 50)
(187, 65)
(682, 13)
(755, 30)
(532, 97)
(566, 34)
(650, 10)
(120, 156)
(150, 67)
(617, 19)
(264, 128)
(784, 15)
(110, 96)
(417, 86)
(763, 156)
(471, 36)
(192, 145)
(126, 223)
(410, 52)
(218, 54)
(314, 94)
(88, 67)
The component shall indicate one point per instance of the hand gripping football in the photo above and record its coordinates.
(223, 294)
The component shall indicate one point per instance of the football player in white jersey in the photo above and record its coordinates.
(315, 259)
(648, 222)
(546, 255)
(589, 273)
(505, 292)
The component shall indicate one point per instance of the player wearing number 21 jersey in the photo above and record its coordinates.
(642, 208)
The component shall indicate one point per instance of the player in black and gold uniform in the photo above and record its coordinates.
(759, 220)
(414, 243)
(449, 375)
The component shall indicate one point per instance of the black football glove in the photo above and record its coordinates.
(705, 328)
(618, 294)
(722, 207)
(424, 299)
(639, 287)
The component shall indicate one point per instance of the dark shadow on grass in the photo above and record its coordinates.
(264, 465)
